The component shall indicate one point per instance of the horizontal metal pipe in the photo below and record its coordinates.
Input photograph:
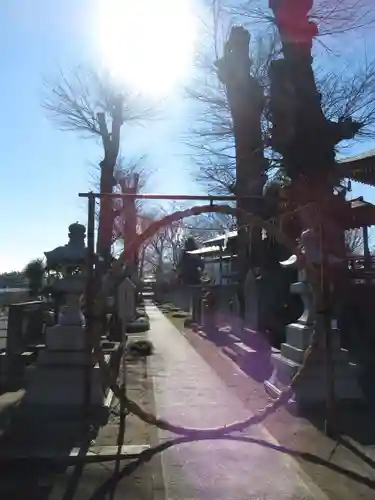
(165, 196)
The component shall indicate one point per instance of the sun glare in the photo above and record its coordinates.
(148, 44)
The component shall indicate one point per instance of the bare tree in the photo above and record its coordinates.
(162, 251)
(76, 100)
(90, 103)
(211, 136)
(347, 95)
(153, 252)
(335, 17)
(354, 241)
(350, 95)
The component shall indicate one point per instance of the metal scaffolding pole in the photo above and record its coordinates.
(181, 197)
(89, 311)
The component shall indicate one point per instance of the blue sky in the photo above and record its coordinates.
(42, 169)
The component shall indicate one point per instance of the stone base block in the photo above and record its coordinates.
(297, 355)
(12, 369)
(311, 388)
(299, 335)
(62, 386)
(242, 349)
(58, 358)
(65, 338)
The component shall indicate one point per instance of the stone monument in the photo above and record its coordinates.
(126, 300)
(57, 378)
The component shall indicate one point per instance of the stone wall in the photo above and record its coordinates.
(12, 296)
(181, 296)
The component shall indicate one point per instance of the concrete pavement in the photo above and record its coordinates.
(188, 392)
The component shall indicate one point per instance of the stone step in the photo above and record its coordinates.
(313, 382)
(284, 368)
(232, 337)
(289, 367)
(299, 335)
(297, 355)
(126, 452)
(313, 391)
(228, 351)
(242, 349)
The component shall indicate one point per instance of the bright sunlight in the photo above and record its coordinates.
(148, 44)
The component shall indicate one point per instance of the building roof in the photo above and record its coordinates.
(359, 168)
(205, 250)
(361, 156)
(221, 237)
(362, 213)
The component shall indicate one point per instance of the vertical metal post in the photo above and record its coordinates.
(221, 264)
(325, 306)
(89, 307)
(366, 248)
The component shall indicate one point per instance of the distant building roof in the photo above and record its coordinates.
(205, 250)
(359, 168)
(221, 237)
(361, 156)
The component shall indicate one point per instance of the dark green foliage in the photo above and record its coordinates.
(180, 314)
(34, 273)
(141, 324)
(140, 313)
(140, 348)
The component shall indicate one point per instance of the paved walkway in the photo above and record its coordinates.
(188, 392)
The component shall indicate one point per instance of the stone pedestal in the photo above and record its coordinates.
(311, 389)
(58, 377)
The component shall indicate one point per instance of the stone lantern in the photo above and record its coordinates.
(312, 387)
(57, 379)
(69, 261)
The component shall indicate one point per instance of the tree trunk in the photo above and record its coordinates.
(104, 242)
(111, 144)
(246, 101)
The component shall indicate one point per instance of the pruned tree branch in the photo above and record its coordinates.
(334, 17)
(90, 103)
(354, 241)
(81, 100)
(347, 95)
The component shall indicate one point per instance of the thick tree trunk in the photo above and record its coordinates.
(111, 145)
(246, 101)
(104, 242)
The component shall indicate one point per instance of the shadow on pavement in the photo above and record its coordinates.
(110, 483)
